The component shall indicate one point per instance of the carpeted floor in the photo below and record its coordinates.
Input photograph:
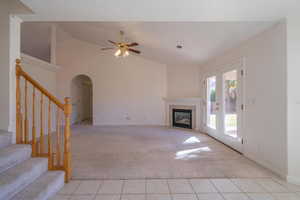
(138, 152)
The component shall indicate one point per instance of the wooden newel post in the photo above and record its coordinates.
(67, 142)
(18, 102)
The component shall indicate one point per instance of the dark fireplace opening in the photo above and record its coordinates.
(182, 118)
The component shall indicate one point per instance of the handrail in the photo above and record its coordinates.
(54, 142)
(20, 72)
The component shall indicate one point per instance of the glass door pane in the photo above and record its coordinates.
(230, 95)
(211, 118)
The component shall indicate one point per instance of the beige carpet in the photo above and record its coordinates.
(133, 152)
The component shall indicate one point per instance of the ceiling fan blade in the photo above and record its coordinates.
(113, 42)
(135, 51)
(108, 48)
(132, 44)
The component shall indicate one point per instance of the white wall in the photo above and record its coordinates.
(293, 95)
(183, 81)
(265, 125)
(126, 91)
(9, 52)
(4, 64)
(44, 73)
(36, 40)
(14, 53)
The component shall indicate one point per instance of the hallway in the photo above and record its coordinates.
(139, 152)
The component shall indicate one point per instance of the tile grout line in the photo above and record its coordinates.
(97, 192)
(285, 186)
(73, 193)
(169, 188)
(122, 189)
(188, 180)
(247, 194)
(242, 191)
(218, 191)
(267, 191)
(146, 194)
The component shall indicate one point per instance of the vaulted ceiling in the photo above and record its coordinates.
(158, 40)
(200, 40)
(205, 28)
(160, 10)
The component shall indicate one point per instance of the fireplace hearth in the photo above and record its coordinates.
(182, 118)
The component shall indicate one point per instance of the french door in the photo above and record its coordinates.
(224, 106)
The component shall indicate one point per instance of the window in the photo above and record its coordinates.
(230, 102)
(211, 102)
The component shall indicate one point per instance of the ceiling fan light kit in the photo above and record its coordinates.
(122, 52)
(123, 48)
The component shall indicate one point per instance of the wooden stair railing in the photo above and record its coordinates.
(57, 149)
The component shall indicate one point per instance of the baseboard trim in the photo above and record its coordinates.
(276, 171)
(293, 180)
(265, 164)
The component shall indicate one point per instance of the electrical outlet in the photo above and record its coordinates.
(127, 117)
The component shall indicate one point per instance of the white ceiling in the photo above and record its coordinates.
(160, 10)
(200, 40)
(204, 27)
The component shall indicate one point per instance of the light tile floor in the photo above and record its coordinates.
(180, 189)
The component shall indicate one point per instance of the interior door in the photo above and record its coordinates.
(224, 106)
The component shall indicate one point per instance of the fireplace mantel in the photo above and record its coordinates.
(193, 103)
(184, 99)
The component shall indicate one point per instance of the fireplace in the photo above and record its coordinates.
(182, 118)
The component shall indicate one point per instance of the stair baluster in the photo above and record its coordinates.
(41, 142)
(18, 103)
(50, 163)
(62, 144)
(26, 115)
(33, 142)
(58, 139)
(67, 149)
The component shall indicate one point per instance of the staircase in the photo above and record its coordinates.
(39, 164)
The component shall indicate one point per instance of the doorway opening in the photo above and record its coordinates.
(82, 100)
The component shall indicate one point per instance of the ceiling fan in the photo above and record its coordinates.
(123, 48)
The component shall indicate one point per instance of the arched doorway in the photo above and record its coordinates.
(82, 100)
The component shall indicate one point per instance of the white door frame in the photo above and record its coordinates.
(219, 134)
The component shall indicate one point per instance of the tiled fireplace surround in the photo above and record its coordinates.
(193, 104)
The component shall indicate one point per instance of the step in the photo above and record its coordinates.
(17, 178)
(13, 154)
(46, 186)
(5, 139)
